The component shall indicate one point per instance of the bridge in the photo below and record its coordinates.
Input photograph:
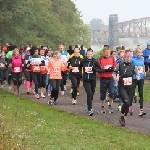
(129, 29)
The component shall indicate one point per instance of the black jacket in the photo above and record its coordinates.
(90, 67)
(75, 62)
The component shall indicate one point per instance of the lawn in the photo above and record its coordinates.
(33, 126)
(146, 91)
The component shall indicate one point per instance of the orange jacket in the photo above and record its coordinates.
(55, 66)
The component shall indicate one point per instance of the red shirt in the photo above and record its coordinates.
(105, 63)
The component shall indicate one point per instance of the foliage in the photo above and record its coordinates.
(41, 22)
(42, 127)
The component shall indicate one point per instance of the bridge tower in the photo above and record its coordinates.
(113, 31)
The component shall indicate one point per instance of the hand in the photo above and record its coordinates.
(28, 65)
(70, 67)
(10, 65)
(117, 78)
(144, 73)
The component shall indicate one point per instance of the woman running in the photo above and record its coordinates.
(138, 61)
(27, 71)
(90, 66)
(55, 67)
(43, 72)
(74, 74)
(3, 68)
(35, 62)
(125, 72)
(16, 64)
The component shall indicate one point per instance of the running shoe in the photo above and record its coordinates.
(119, 108)
(55, 102)
(74, 102)
(37, 96)
(122, 121)
(103, 110)
(78, 93)
(91, 112)
(50, 102)
(142, 113)
(42, 95)
(34, 92)
(62, 93)
(65, 88)
(131, 111)
(110, 110)
(49, 94)
(71, 90)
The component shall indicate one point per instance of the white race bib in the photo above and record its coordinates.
(75, 69)
(108, 66)
(88, 70)
(127, 81)
(17, 69)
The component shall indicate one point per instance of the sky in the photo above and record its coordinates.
(101, 9)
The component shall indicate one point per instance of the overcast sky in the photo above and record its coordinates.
(126, 9)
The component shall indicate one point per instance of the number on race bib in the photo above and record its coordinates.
(56, 69)
(17, 69)
(36, 68)
(75, 69)
(127, 81)
(88, 70)
(108, 66)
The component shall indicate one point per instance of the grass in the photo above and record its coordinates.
(146, 91)
(25, 124)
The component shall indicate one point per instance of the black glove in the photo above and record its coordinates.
(100, 70)
(110, 69)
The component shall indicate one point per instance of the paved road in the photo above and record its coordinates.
(134, 123)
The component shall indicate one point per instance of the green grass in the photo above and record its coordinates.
(41, 127)
(146, 91)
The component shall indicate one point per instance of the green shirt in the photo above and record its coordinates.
(9, 54)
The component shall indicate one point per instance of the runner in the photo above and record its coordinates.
(107, 64)
(3, 68)
(27, 71)
(35, 62)
(43, 72)
(89, 65)
(74, 74)
(16, 64)
(138, 61)
(55, 67)
(125, 72)
(64, 57)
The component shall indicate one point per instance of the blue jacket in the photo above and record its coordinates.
(146, 54)
(119, 60)
(139, 62)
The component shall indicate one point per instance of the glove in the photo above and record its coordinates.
(100, 70)
(110, 69)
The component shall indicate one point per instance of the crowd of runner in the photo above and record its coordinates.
(119, 71)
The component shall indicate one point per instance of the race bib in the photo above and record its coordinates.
(140, 69)
(107, 66)
(127, 81)
(56, 69)
(2, 65)
(75, 69)
(36, 68)
(88, 70)
(17, 69)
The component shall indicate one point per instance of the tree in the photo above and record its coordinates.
(41, 22)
